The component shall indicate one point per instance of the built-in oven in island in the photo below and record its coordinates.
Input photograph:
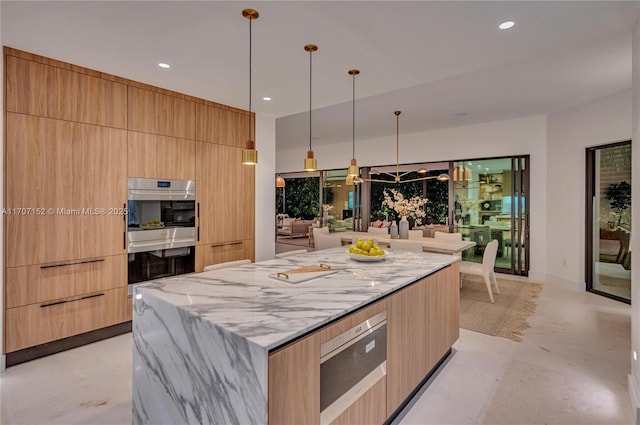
(162, 217)
(350, 364)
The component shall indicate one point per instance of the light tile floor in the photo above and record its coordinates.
(571, 368)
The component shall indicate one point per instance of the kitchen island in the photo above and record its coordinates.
(237, 346)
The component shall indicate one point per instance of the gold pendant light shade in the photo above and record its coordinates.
(353, 168)
(310, 163)
(250, 154)
(280, 181)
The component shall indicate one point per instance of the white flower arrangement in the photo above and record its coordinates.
(406, 207)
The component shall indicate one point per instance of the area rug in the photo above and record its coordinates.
(507, 317)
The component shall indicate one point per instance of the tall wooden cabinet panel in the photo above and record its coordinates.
(36, 89)
(225, 193)
(152, 156)
(158, 113)
(77, 174)
(443, 312)
(218, 125)
(406, 343)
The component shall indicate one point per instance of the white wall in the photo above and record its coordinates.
(634, 377)
(601, 121)
(501, 138)
(265, 187)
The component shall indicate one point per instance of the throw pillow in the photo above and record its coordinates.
(377, 223)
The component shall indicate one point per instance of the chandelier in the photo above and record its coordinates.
(398, 176)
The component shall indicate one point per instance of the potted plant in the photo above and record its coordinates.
(619, 196)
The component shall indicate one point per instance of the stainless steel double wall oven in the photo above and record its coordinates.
(161, 235)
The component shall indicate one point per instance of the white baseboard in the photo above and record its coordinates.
(634, 394)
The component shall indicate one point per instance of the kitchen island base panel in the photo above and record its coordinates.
(188, 370)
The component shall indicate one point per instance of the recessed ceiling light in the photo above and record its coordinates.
(267, 98)
(164, 65)
(506, 25)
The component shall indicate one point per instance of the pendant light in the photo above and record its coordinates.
(353, 167)
(280, 181)
(250, 154)
(310, 163)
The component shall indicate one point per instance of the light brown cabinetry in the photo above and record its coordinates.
(226, 204)
(422, 324)
(159, 113)
(36, 324)
(48, 91)
(222, 126)
(43, 282)
(76, 174)
(152, 156)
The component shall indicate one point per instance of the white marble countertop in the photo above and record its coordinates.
(244, 300)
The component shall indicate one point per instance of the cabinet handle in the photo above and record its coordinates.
(216, 245)
(72, 300)
(73, 264)
(198, 233)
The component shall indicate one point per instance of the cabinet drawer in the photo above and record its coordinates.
(43, 282)
(220, 252)
(35, 324)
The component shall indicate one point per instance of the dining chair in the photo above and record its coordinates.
(226, 264)
(415, 234)
(405, 245)
(378, 230)
(291, 253)
(447, 236)
(485, 269)
(323, 241)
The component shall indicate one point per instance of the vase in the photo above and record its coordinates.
(393, 230)
(403, 228)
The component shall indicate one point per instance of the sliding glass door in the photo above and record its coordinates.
(490, 202)
(608, 235)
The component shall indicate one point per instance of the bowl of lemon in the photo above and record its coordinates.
(366, 250)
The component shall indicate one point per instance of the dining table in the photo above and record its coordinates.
(428, 244)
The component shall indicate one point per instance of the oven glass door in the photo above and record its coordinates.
(145, 266)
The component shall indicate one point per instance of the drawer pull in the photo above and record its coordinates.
(72, 300)
(72, 264)
(216, 245)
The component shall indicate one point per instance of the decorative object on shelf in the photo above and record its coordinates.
(250, 154)
(310, 163)
(405, 207)
(397, 176)
(353, 174)
(403, 228)
(393, 230)
(280, 181)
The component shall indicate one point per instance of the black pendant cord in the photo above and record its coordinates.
(250, 80)
(310, 79)
(353, 129)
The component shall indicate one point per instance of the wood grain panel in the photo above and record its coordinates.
(39, 283)
(73, 169)
(47, 91)
(406, 342)
(222, 252)
(156, 113)
(443, 310)
(294, 383)
(35, 324)
(226, 191)
(152, 156)
(91, 72)
(369, 409)
(222, 126)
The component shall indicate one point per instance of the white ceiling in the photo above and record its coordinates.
(442, 63)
